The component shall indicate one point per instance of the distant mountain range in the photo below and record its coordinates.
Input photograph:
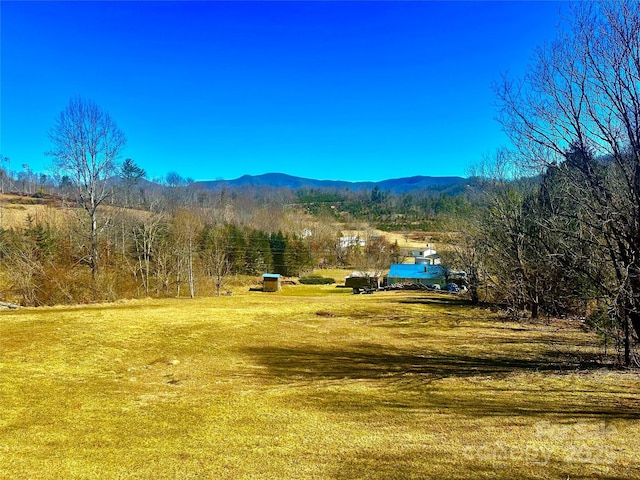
(281, 180)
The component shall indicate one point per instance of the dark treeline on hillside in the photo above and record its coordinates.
(417, 210)
(383, 209)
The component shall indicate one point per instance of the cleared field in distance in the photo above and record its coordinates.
(308, 383)
(14, 210)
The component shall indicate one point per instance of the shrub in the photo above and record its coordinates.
(316, 280)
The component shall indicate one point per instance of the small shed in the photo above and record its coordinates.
(271, 282)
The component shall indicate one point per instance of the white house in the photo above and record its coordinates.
(429, 256)
(429, 251)
(346, 242)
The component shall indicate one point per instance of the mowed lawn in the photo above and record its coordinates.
(309, 383)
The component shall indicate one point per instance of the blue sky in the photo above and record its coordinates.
(363, 90)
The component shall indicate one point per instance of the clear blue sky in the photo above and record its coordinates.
(364, 90)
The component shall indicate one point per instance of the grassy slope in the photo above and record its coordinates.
(15, 210)
(312, 382)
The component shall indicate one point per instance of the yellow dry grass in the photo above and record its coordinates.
(15, 210)
(417, 240)
(309, 383)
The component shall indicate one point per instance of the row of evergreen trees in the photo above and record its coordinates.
(252, 252)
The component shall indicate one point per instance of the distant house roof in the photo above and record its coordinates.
(415, 271)
(271, 275)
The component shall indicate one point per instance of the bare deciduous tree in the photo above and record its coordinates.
(4, 172)
(578, 112)
(146, 235)
(186, 229)
(216, 246)
(86, 145)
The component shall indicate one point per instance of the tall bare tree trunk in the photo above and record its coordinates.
(87, 144)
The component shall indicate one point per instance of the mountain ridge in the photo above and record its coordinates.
(282, 180)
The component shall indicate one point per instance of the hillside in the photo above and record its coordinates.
(281, 180)
(15, 210)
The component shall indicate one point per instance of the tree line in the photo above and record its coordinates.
(52, 259)
(387, 211)
(567, 240)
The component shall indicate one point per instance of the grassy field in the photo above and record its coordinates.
(14, 210)
(309, 383)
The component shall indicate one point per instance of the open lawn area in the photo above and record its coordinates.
(308, 383)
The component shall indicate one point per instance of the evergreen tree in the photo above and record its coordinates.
(278, 245)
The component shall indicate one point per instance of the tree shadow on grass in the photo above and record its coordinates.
(366, 362)
(439, 299)
(408, 382)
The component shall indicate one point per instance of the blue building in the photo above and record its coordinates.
(416, 273)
